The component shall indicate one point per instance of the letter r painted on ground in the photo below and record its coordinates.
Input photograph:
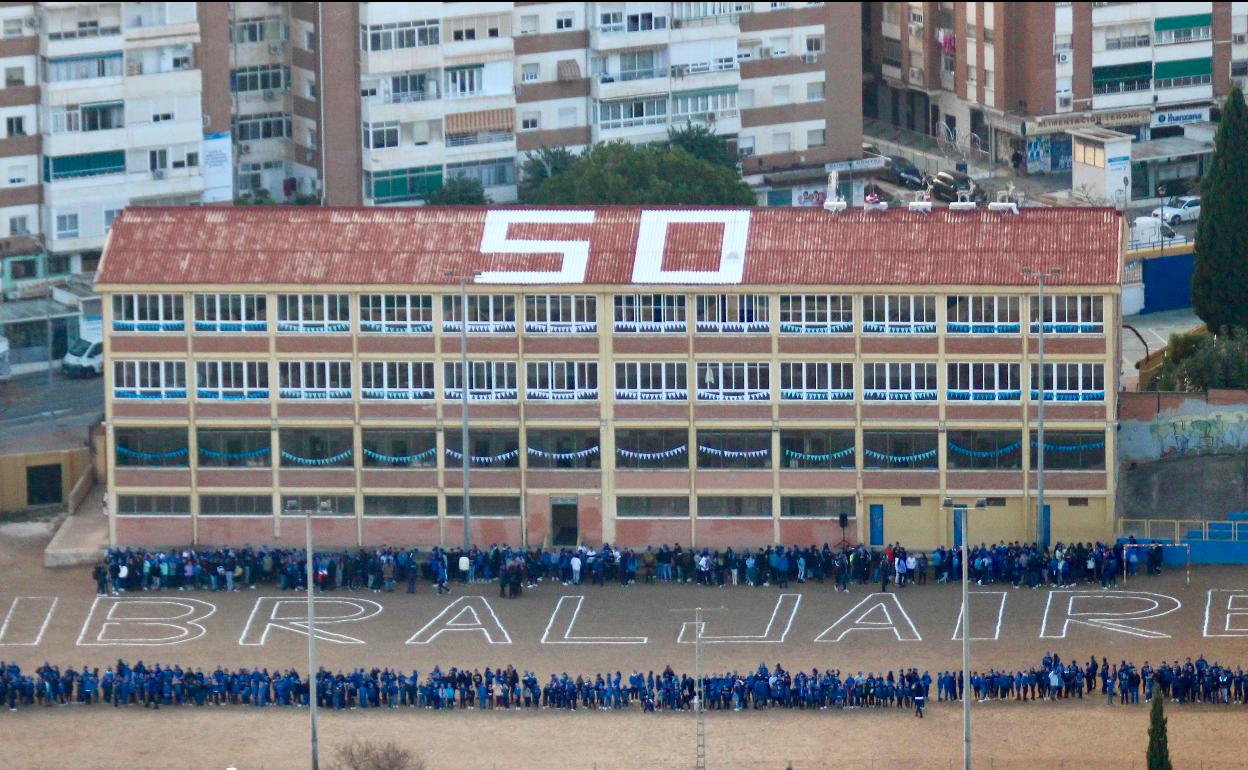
(1226, 612)
(471, 614)
(117, 622)
(1122, 612)
(286, 614)
(559, 629)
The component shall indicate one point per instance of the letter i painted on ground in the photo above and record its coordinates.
(777, 628)
(26, 620)
(560, 628)
(876, 612)
(472, 614)
(987, 612)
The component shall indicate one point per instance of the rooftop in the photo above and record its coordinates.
(417, 246)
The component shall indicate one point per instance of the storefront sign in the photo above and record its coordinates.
(1179, 117)
(1051, 124)
(864, 164)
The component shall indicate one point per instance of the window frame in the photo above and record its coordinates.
(895, 375)
(398, 313)
(319, 380)
(803, 314)
(334, 307)
(252, 374)
(483, 380)
(1087, 308)
(734, 380)
(149, 379)
(637, 313)
(1066, 373)
(583, 376)
(403, 380)
(500, 309)
(247, 312)
(894, 307)
(673, 377)
(970, 380)
(983, 314)
(733, 313)
(836, 372)
(581, 309)
(132, 312)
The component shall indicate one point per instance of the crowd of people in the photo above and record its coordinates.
(159, 685)
(385, 568)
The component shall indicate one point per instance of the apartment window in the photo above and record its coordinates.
(734, 449)
(235, 505)
(652, 507)
(487, 448)
(379, 136)
(816, 380)
(406, 448)
(618, 21)
(563, 449)
(150, 447)
(528, 24)
(1183, 81)
(148, 313)
(780, 94)
(316, 447)
(157, 160)
(564, 21)
(972, 32)
(18, 175)
(900, 450)
(530, 73)
(756, 507)
(972, 74)
(815, 91)
(407, 34)
(231, 380)
(815, 137)
(1062, 43)
(734, 381)
(814, 44)
(780, 141)
(57, 264)
(153, 505)
(817, 449)
(401, 380)
(149, 379)
(530, 121)
(397, 313)
(494, 172)
(230, 448)
(1122, 78)
(314, 379)
(271, 125)
(652, 448)
(634, 112)
(1068, 450)
(257, 30)
(567, 117)
(403, 184)
(975, 381)
(1069, 382)
(14, 77)
(651, 381)
(488, 380)
(231, 313)
(899, 381)
(899, 314)
(493, 506)
(313, 313)
(733, 313)
(706, 104)
(891, 54)
(261, 77)
(487, 313)
(560, 313)
(990, 80)
(66, 225)
(478, 27)
(561, 381)
(12, 27)
(650, 313)
(465, 81)
(1188, 35)
(1127, 36)
(978, 314)
(19, 225)
(816, 314)
(110, 216)
(1070, 314)
(984, 450)
(85, 67)
(15, 126)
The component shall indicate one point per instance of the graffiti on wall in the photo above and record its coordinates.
(1194, 428)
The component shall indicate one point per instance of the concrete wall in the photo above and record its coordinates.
(1194, 487)
(13, 473)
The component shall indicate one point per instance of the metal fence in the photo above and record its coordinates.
(1180, 530)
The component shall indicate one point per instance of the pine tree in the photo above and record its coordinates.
(1220, 282)
(1158, 744)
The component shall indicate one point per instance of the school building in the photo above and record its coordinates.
(634, 375)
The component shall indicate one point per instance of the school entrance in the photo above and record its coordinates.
(563, 521)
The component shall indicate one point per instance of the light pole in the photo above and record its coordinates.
(1041, 276)
(463, 398)
(980, 504)
(292, 506)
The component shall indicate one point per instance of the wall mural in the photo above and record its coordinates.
(1195, 428)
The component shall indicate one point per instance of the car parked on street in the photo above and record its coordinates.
(948, 185)
(1176, 210)
(902, 172)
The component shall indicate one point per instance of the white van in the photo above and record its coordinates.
(84, 358)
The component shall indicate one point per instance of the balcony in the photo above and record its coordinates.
(481, 137)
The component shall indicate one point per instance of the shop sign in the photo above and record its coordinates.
(1179, 117)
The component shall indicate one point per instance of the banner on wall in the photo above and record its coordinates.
(217, 166)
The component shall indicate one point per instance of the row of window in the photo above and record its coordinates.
(574, 449)
(636, 313)
(496, 380)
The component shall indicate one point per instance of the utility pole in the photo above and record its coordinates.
(1040, 276)
(292, 506)
(699, 706)
(463, 400)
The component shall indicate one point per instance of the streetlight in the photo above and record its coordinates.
(980, 504)
(463, 395)
(1041, 276)
(292, 507)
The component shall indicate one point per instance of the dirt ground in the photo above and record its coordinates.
(916, 629)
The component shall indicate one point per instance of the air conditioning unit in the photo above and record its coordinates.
(1063, 57)
(244, 149)
(764, 52)
(158, 173)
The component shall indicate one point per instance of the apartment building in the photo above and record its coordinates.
(1014, 77)
(418, 93)
(715, 377)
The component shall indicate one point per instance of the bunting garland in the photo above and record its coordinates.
(1051, 328)
(732, 327)
(679, 450)
(928, 455)
(1069, 447)
(816, 395)
(484, 459)
(149, 326)
(536, 327)
(979, 395)
(903, 328)
(313, 328)
(967, 328)
(234, 455)
(893, 395)
(216, 395)
(733, 453)
(838, 328)
(343, 455)
(588, 394)
(586, 452)
(998, 452)
(753, 395)
(400, 459)
(652, 395)
(819, 458)
(477, 327)
(656, 327)
(487, 395)
(170, 455)
(421, 394)
(231, 326)
(170, 394)
(314, 395)
(399, 328)
(1091, 395)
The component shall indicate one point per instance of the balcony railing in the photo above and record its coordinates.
(626, 75)
(481, 137)
(84, 33)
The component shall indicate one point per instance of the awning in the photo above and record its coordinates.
(1184, 68)
(1116, 72)
(482, 120)
(568, 70)
(1183, 22)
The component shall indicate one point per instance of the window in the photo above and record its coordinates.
(984, 450)
(734, 381)
(57, 264)
(1066, 450)
(560, 313)
(530, 73)
(235, 505)
(261, 77)
(489, 448)
(396, 313)
(899, 381)
(984, 382)
(408, 34)
(561, 381)
(780, 94)
(231, 313)
(821, 507)
(313, 313)
(257, 30)
(150, 447)
(530, 121)
(528, 24)
(564, 20)
(489, 380)
(650, 313)
(85, 67)
(403, 184)
(1127, 36)
(1188, 35)
(815, 137)
(153, 505)
(408, 448)
(814, 44)
(14, 77)
(567, 117)
(815, 91)
(19, 225)
(66, 225)
(635, 112)
(976, 314)
(652, 448)
(493, 506)
(899, 314)
(319, 505)
(1062, 43)
(465, 81)
(149, 379)
(316, 447)
(110, 216)
(738, 507)
(780, 141)
(12, 27)
(18, 174)
(314, 379)
(656, 507)
(1070, 314)
(231, 380)
(478, 27)
(899, 449)
(563, 449)
(1069, 382)
(734, 449)
(618, 21)
(705, 105)
(972, 75)
(400, 505)
(490, 173)
(270, 125)
(89, 164)
(817, 449)
(401, 380)
(816, 381)
(487, 313)
(816, 314)
(728, 313)
(651, 381)
(379, 136)
(148, 313)
(229, 448)
(15, 126)
(157, 160)
(20, 269)
(1183, 81)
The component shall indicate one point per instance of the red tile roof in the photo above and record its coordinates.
(265, 245)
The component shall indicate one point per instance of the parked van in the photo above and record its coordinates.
(85, 357)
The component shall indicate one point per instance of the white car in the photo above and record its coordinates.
(1176, 210)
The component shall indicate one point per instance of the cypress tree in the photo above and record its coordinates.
(1158, 743)
(1220, 282)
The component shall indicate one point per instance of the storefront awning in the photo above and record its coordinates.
(482, 120)
(1189, 21)
(1184, 68)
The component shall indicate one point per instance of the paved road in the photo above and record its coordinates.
(31, 410)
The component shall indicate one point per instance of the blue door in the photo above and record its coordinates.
(958, 512)
(877, 525)
(1042, 527)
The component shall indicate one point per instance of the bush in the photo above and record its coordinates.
(371, 755)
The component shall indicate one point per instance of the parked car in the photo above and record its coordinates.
(903, 172)
(870, 150)
(947, 185)
(1176, 210)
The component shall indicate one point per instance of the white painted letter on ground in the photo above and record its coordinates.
(777, 628)
(987, 611)
(471, 614)
(876, 612)
(26, 620)
(559, 630)
(117, 622)
(1120, 611)
(286, 614)
(1226, 612)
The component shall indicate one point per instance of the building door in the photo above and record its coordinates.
(1042, 526)
(43, 484)
(877, 524)
(563, 529)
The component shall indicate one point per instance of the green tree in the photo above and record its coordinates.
(540, 165)
(1158, 743)
(1220, 283)
(458, 191)
(703, 143)
(1196, 362)
(643, 174)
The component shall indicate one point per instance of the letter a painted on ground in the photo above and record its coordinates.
(472, 614)
(876, 612)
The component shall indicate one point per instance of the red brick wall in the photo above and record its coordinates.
(404, 531)
(738, 533)
(644, 532)
(154, 530)
(237, 530)
(816, 531)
